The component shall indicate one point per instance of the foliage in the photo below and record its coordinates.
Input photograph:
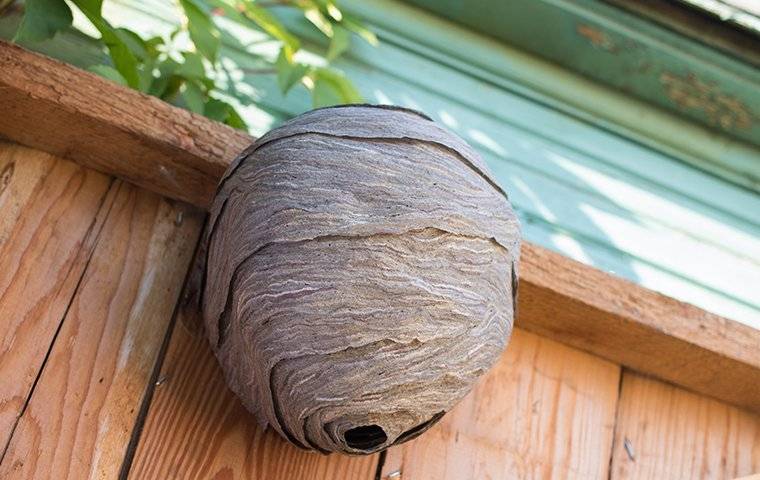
(184, 72)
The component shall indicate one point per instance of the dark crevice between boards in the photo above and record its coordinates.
(380, 464)
(621, 375)
(187, 300)
(107, 202)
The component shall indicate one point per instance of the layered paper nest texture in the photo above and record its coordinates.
(361, 275)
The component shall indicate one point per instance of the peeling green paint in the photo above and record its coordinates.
(626, 52)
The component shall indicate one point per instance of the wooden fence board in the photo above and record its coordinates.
(51, 213)
(84, 406)
(666, 432)
(197, 429)
(21, 171)
(544, 411)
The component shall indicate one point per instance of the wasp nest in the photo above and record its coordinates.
(360, 276)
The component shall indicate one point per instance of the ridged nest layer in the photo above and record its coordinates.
(360, 276)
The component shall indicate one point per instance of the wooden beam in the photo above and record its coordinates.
(638, 328)
(72, 113)
(77, 115)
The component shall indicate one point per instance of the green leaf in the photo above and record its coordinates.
(269, 24)
(42, 20)
(216, 110)
(194, 97)
(92, 7)
(360, 30)
(192, 67)
(153, 42)
(146, 78)
(333, 88)
(340, 42)
(288, 73)
(133, 41)
(167, 84)
(234, 120)
(110, 73)
(315, 16)
(122, 57)
(324, 95)
(222, 111)
(203, 32)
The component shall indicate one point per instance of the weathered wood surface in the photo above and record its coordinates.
(77, 115)
(545, 411)
(84, 405)
(559, 298)
(664, 431)
(197, 429)
(51, 212)
(638, 328)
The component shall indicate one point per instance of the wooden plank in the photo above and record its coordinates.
(666, 432)
(544, 411)
(196, 427)
(52, 212)
(21, 172)
(559, 298)
(83, 409)
(638, 328)
(77, 115)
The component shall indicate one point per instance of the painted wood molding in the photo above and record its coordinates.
(74, 114)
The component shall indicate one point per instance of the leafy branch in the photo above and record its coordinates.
(184, 72)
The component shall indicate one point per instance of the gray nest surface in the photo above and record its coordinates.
(361, 274)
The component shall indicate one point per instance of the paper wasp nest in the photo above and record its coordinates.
(361, 275)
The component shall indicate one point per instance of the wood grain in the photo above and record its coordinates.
(197, 429)
(544, 411)
(638, 328)
(52, 211)
(666, 432)
(21, 172)
(559, 298)
(84, 406)
(77, 115)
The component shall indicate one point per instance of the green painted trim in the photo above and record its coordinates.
(622, 50)
(563, 90)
